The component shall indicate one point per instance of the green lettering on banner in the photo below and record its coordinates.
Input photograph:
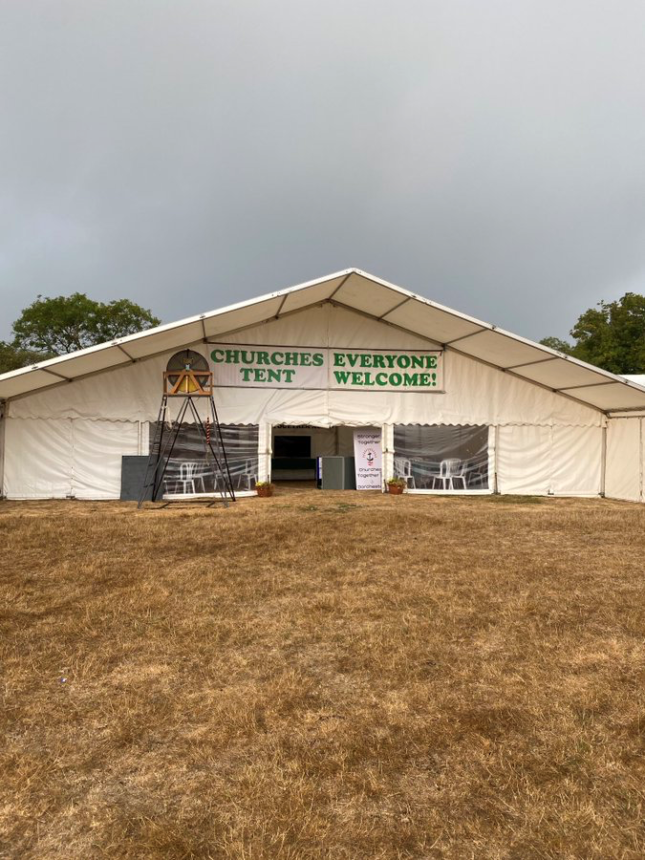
(281, 368)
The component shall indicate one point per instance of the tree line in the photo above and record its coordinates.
(610, 335)
(55, 326)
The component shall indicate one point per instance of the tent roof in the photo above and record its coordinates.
(366, 295)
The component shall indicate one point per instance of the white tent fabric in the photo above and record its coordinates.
(68, 422)
(38, 462)
(63, 457)
(524, 460)
(625, 459)
(97, 450)
(555, 460)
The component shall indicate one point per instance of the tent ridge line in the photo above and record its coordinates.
(395, 308)
(277, 313)
(528, 363)
(472, 334)
(125, 352)
(342, 284)
(53, 373)
(616, 411)
(587, 385)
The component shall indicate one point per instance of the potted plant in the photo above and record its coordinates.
(264, 488)
(395, 486)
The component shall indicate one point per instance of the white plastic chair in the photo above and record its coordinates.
(451, 470)
(403, 469)
(189, 474)
(249, 475)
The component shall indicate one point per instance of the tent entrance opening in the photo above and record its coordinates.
(296, 449)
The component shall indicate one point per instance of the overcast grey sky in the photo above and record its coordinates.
(489, 155)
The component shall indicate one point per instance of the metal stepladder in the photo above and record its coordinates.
(187, 384)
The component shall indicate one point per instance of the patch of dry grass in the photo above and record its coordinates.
(332, 675)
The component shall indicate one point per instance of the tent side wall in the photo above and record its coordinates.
(549, 460)
(62, 457)
(625, 460)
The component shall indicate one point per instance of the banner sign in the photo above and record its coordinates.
(242, 365)
(368, 457)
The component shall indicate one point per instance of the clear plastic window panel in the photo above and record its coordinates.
(191, 469)
(441, 457)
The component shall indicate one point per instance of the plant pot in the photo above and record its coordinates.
(264, 492)
(395, 489)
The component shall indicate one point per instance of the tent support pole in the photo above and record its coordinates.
(642, 459)
(3, 421)
(496, 460)
(603, 461)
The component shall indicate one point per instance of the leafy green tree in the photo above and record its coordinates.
(67, 323)
(13, 358)
(611, 335)
(557, 343)
(119, 318)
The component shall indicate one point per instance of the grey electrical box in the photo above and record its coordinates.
(133, 474)
(336, 473)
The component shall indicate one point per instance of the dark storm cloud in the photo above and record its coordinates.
(490, 156)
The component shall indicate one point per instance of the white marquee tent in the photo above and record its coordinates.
(552, 424)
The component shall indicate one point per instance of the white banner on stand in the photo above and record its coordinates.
(368, 454)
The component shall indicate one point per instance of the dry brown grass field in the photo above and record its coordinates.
(323, 675)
